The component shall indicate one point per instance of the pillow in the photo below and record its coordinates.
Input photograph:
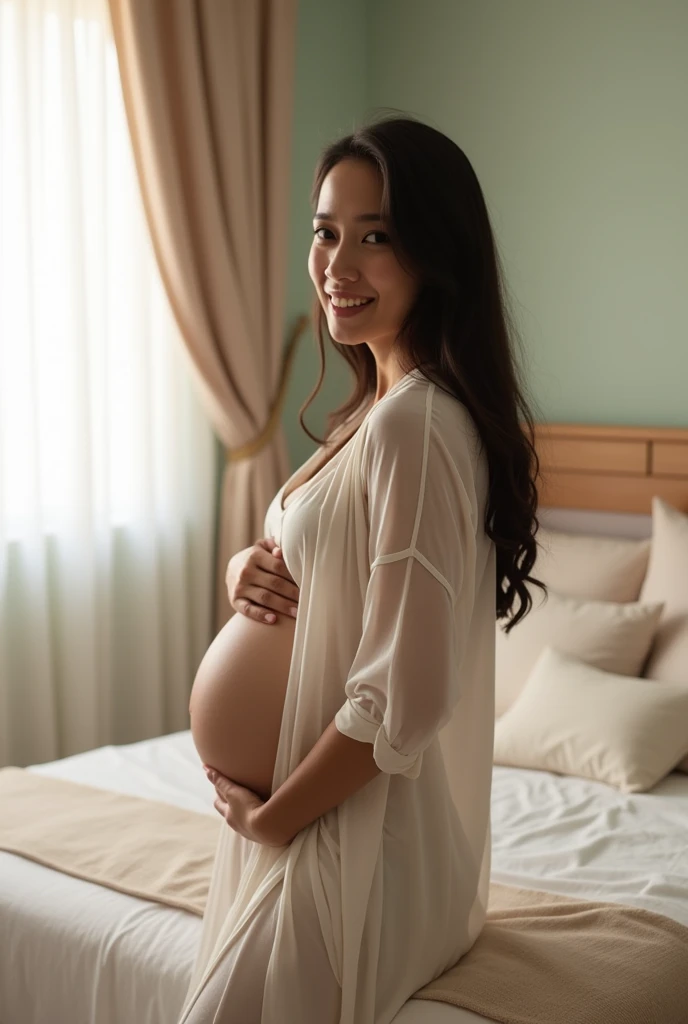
(574, 719)
(592, 568)
(615, 637)
(667, 581)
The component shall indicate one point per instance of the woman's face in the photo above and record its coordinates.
(351, 257)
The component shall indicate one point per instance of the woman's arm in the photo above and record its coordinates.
(333, 770)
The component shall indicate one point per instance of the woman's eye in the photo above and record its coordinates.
(383, 237)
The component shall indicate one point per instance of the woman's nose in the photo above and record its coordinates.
(342, 265)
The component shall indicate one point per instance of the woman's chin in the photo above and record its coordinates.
(346, 334)
(347, 339)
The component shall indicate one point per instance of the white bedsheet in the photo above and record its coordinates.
(107, 958)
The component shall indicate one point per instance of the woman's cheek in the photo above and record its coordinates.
(315, 265)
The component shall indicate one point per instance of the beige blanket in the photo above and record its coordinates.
(145, 848)
(540, 959)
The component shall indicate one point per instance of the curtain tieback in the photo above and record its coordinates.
(251, 448)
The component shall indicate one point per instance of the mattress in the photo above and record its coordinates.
(79, 953)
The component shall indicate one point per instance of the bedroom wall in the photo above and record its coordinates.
(573, 116)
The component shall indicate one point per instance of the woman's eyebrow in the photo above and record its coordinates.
(361, 217)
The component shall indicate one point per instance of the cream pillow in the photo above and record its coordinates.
(667, 581)
(592, 568)
(578, 720)
(614, 637)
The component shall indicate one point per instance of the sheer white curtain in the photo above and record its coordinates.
(107, 461)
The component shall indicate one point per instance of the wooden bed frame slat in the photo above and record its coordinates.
(611, 469)
(670, 459)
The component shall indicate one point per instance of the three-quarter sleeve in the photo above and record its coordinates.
(405, 679)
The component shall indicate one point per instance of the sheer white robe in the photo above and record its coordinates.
(394, 640)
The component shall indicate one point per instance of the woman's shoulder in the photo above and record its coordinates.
(427, 437)
(421, 406)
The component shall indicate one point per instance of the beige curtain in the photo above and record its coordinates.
(208, 87)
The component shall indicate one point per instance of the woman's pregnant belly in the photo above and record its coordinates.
(237, 699)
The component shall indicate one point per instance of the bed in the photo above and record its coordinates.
(76, 952)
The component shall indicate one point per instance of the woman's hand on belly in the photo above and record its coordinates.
(259, 585)
(240, 807)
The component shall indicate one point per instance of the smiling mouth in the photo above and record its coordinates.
(355, 305)
(345, 312)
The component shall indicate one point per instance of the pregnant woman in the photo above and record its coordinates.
(354, 742)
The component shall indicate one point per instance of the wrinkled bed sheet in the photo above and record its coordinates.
(107, 957)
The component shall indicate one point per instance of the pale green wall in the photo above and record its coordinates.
(574, 118)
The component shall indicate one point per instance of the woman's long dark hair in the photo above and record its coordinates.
(458, 332)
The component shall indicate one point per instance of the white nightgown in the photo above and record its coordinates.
(394, 640)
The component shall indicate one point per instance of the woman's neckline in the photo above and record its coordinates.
(297, 493)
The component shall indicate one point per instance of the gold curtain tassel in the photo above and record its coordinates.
(251, 448)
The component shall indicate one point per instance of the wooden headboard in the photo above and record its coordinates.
(613, 469)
